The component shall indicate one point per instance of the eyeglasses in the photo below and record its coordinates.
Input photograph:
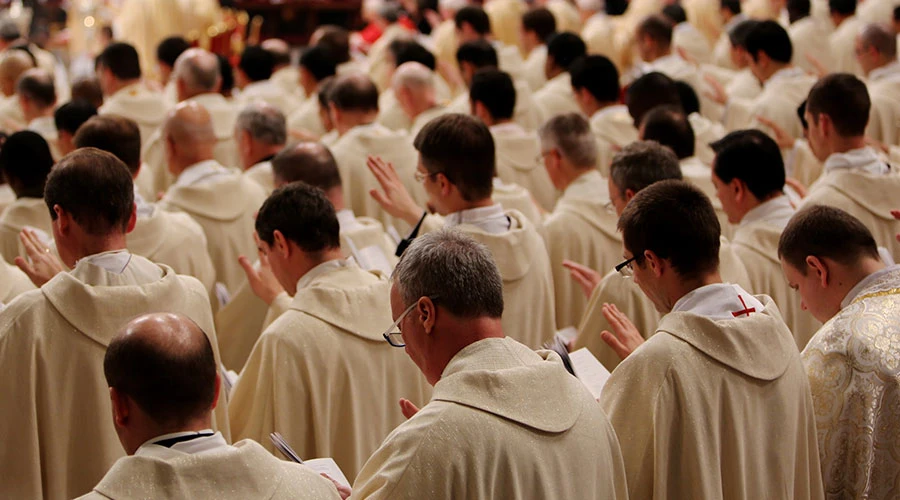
(392, 334)
(421, 176)
(625, 268)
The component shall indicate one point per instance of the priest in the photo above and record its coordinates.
(260, 133)
(25, 162)
(556, 96)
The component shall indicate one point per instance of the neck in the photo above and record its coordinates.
(469, 205)
(33, 115)
(261, 152)
(571, 173)
(844, 144)
(99, 244)
(179, 165)
(422, 106)
(776, 67)
(305, 264)
(663, 52)
(336, 196)
(839, 19)
(602, 105)
(462, 334)
(354, 119)
(554, 72)
(882, 62)
(118, 85)
(682, 288)
(852, 276)
(155, 431)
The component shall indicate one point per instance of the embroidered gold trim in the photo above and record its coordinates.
(892, 291)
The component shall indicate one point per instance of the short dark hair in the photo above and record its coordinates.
(676, 221)
(227, 74)
(122, 60)
(541, 22)
(770, 38)
(319, 62)
(405, 51)
(845, 99)
(475, 17)
(843, 7)
(279, 56)
(337, 41)
(88, 89)
(303, 215)
(649, 91)
(171, 387)
(169, 49)
(478, 53)
(657, 27)
(114, 134)
(671, 128)
(641, 164)
(598, 75)
(798, 9)
(95, 187)
(675, 13)
(690, 103)
(565, 48)
(354, 92)
(496, 91)
(257, 63)
(25, 162)
(311, 163)
(897, 13)
(36, 85)
(828, 232)
(737, 35)
(462, 149)
(72, 115)
(734, 6)
(753, 157)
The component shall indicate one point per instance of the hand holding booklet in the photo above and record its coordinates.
(325, 466)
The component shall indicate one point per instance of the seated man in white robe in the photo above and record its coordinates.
(379, 64)
(720, 354)
(13, 64)
(37, 98)
(456, 169)
(748, 174)
(706, 131)
(253, 76)
(736, 82)
(284, 74)
(167, 53)
(119, 72)
(841, 42)
(173, 239)
(338, 395)
(197, 79)
(855, 179)
(832, 261)
(810, 37)
(537, 26)
(653, 38)
(260, 133)
(731, 15)
(474, 24)
(557, 97)
(67, 119)
(876, 50)
(581, 227)
(25, 162)
(390, 112)
(595, 81)
(57, 439)
(518, 152)
(414, 88)
(686, 37)
(163, 385)
(220, 200)
(475, 438)
(316, 64)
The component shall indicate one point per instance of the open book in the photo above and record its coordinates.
(582, 364)
(325, 466)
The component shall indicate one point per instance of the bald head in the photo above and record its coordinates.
(414, 76)
(354, 92)
(196, 72)
(13, 64)
(881, 38)
(164, 363)
(190, 123)
(280, 50)
(36, 87)
(308, 162)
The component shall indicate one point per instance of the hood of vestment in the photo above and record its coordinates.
(512, 250)
(227, 199)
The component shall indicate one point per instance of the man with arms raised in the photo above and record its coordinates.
(55, 409)
(475, 438)
(721, 370)
(832, 261)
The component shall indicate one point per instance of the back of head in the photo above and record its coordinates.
(190, 124)
(9, 31)
(72, 115)
(88, 90)
(676, 221)
(226, 73)
(114, 134)
(771, 39)
(280, 50)
(265, 123)
(460, 147)
(641, 164)
(319, 62)
(754, 158)
(478, 53)
(674, 13)
(649, 91)
(165, 364)
(671, 128)
(539, 21)
(308, 162)
(336, 41)
(121, 59)
(733, 6)
(737, 35)
(571, 135)
(598, 75)
(842, 7)
(405, 51)
(303, 215)
(881, 38)
(825, 232)
(690, 103)
(13, 64)
(496, 91)
(257, 63)
(412, 75)
(451, 266)
(798, 9)
(845, 99)
(198, 70)
(475, 17)
(354, 92)
(95, 188)
(169, 49)
(565, 49)
(36, 86)
(657, 27)
(25, 162)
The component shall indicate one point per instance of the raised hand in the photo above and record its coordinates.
(782, 138)
(408, 409)
(625, 337)
(263, 283)
(585, 276)
(393, 197)
(43, 265)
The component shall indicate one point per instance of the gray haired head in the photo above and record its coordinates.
(458, 270)
(264, 122)
(571, 135)
(641, 164)
(199, 70)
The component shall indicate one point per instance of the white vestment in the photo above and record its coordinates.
(700, 175)
(269, 92)
(136, 102)
(13, 282)
(556, 97)
(810, 37)
(46, 127)
(526, 113)
(476, 438)
(514, 197)
(391, 114)
(533, 71)
(688, 38)
(706, 132)
(31, 212)
(884, 91)
(261, 173)
(519, 162)
(423, 118)
(288, 78)
(506, 18)
(306, 117)
(614, 129)
(781, 95)
(599, 35)
(842, 44)
(380, 59)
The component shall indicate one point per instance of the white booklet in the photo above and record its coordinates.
(325, 466)
(589, 370)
